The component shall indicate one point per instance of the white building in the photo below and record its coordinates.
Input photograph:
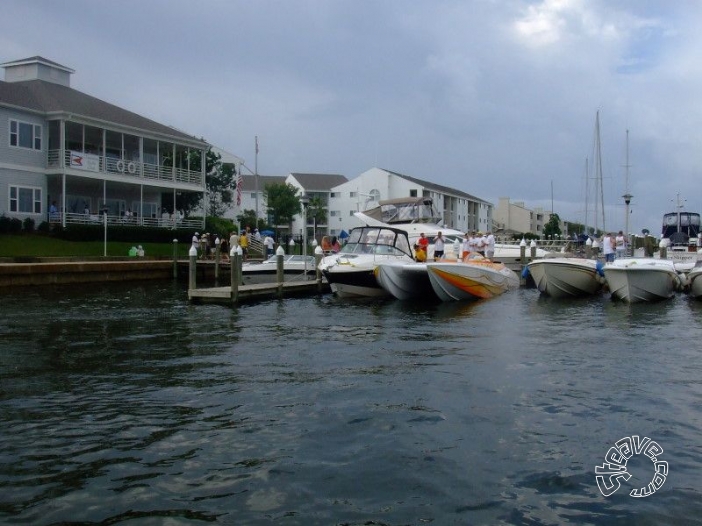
(458, 209)
(67, 157)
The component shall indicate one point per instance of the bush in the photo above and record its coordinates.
(219, 225)
(129, 234)
(44, 227)
(28, 225)
(10, 225)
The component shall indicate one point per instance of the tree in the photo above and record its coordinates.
(220, 179)
(283, 203)
(553, 228)
(248, 218)
(316, 210)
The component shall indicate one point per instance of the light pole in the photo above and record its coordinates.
(305, 200)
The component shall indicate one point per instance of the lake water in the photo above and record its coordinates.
(124, 404)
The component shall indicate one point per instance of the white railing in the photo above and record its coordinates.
(135, 169)
(152, 222)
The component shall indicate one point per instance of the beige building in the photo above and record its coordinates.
(515, 218)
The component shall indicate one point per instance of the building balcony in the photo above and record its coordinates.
(145, 172)
(166, 221)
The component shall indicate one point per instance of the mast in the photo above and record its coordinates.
(587, 191)
(627, 196)
(599, 191)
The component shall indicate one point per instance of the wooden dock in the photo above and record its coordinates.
(258, 291)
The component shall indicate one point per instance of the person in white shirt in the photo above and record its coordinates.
(465, 246)
(608, 247)
(620, 245)
(490, 245)
(438, 247)
(269, 244)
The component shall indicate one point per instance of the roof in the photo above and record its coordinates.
(319, 182)
(36, 59)
(50, 99)
(249, 182)
(436, 187)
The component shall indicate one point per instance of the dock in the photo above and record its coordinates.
(258, 291)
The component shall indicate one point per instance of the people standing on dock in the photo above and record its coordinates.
(335, 245)
(196, 241)
(608, 247)
(270, 245)
(490, 245)
(233, 240)
(465, 246)
(423, 243)
(480, 244)
(620, 245)
(244, 244)
(438, 247)
(224, 248)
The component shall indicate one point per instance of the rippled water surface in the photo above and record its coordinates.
(127, 405)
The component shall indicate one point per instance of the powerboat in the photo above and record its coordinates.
(680, 233)
(404, 280)
(475, 278)
(567, 277)
(417, 215)
(694, 282)
(636, 280)
(352, 271)
(292, 264)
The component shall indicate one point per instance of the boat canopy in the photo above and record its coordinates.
(680, 227)
(405, 210)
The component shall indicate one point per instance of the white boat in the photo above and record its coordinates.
(679, 233)
(292, 264)
(416, 215)
(694, 282)
(636, 280)
(351, 272)
(404, 280)
(470, 280)
(567, 277)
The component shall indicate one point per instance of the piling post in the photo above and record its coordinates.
(522, 251)
(217, 256)
(588, 248)
(239, 273)
(532, 249)
(280, 273)
(233, 271)
(175, 259)
(663, 249)
(318, 255)
(192, 268)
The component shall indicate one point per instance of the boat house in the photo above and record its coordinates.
(67, 157)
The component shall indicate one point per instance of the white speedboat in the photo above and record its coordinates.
(469, 280)
(567, 277)
(351, 272)
(292, 264)
(637, 280)
(694, 282)
(404, 280)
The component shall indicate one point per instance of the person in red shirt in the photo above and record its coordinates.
(423, 243)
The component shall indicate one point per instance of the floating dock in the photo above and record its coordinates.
(244, 293)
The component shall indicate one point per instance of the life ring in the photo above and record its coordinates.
(131, 167)
(120, 166)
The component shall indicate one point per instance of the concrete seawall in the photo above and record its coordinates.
(45, 273)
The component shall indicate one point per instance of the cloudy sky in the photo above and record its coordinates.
(496, 98)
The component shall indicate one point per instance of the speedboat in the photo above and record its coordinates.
(292, 264)
(636, 280)
(694, 282)
(566, 277)
(475, 278)
(405, 280)
(352, 271)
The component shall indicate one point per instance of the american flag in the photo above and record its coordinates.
(239, 186)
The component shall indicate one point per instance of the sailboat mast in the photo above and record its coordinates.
(587, 191)
(627, 196)
(598, 175)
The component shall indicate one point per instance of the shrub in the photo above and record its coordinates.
(44, 227)
(10, 225)
(28, 225)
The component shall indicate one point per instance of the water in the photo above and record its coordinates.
(124, 404)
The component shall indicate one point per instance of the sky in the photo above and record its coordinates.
(496, 98)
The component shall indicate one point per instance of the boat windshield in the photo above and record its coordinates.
(369, 240)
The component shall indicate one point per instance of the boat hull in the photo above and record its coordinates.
(566, 277)
(354, 283)
(405, 281)
(638, 280)
(470, 280)
(694, 279)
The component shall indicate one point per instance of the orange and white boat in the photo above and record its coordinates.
(473, 278)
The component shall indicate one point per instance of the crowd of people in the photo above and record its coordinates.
(473, 243)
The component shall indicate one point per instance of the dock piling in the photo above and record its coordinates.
(192, 268)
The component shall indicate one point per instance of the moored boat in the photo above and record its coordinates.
(567, 277)
(636, 280)
(292, 264)
(694, 282)
(352, 272)
(469, 280)
(404, 280)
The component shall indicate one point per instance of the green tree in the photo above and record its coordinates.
(220, 179)
(283, 203)
(316, 211)
(248, 218)
(553, 228)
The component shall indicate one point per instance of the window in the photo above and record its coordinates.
(413, 193)
(25, 135)
(353, 194)
(26, 200)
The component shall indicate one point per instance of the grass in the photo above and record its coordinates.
(36, 245)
